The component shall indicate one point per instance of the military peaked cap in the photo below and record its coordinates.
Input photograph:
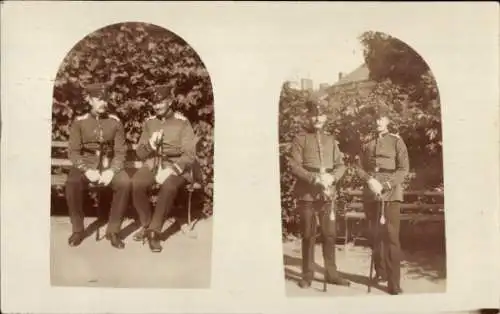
(316, 103)
(98, 90)
(382, 110)
(161, 92)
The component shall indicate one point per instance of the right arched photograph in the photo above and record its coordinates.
(361, 165)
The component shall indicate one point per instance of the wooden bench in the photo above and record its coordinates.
(353, 211)
(59, 179)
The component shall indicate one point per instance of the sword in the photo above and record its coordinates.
(100, 168)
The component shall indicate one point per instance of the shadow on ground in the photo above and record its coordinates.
(100, 210)
(295, 276)
(423, 256)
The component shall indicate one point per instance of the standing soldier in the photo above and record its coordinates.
(167, 138)
(383, 166)
(97, 151)
(317, 163)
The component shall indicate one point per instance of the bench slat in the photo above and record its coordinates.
(410, 192)
(418, 217)
(60, 162)
(359, 206)
(62, 144)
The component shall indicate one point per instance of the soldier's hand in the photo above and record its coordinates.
(106, 177)
(375, 186)
(155, 137)
(163, 174)
(92, 175)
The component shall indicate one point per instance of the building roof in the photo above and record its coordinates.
(361, 73)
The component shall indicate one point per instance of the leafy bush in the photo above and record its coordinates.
(135, 57)
(399, 78)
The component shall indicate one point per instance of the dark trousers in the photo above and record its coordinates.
(77, 183)
(385, 241)
(142, 181)
(308, 222)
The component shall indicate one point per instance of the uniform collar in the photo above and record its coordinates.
(309, 128)
(167, 115)
(382, 135)
(98, 116)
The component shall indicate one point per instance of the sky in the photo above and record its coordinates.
(320, 51)
(324, 63)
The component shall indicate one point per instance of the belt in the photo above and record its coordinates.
(317, 170)
(382, 170)
(171, 155)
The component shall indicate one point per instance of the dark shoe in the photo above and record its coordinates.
(395, 291)
(304, 283)
(140, 235)
(115, 240)
(76, 238)
(338, 281)
(154, 241)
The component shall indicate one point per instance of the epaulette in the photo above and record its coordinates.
(395, 135)
(82, 117)
(150, 118)
(180, 116)
(112, 116)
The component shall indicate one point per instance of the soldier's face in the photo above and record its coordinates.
(382, 124)
(98, 105)
(161, 107)
(318, 121)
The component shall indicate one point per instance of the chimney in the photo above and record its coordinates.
(340, 75)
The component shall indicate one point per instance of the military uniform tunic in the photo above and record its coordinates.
(385, 158)
(178, 144)
(89, 134)
(306, 162)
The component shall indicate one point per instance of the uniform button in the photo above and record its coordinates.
(376, 169)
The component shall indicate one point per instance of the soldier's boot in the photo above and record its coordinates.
(115, 240)
(395, 290)
(76, 238)
(154, 241)
(305, 283)
(337, 280)
(140, 236)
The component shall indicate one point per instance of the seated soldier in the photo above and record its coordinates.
(97, 151)
(167, 147)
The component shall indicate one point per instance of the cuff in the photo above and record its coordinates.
(82, 167)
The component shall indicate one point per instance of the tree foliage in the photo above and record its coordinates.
(134, 57)
(399, 78)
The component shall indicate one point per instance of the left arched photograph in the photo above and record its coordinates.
(132, 162)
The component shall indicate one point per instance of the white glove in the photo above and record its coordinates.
(93, 175)
(327, 180)
(155, 137)
(106, 177)
(375, 186)
(163, 174)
